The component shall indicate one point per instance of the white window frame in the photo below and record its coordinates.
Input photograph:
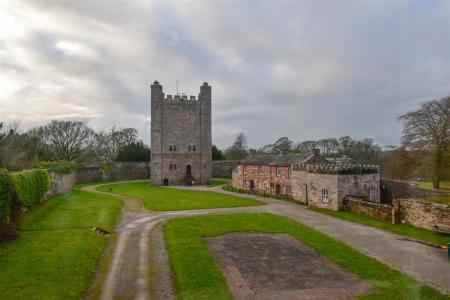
(325, 196)
(278, 171)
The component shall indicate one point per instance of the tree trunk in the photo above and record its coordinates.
(437, 165)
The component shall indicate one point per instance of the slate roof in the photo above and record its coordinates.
(274, 159)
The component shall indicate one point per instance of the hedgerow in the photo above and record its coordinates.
(30, 186)
(62, 166)
(6, 187)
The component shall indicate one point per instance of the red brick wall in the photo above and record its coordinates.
(264, 181)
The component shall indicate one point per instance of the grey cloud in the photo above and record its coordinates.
(306, 70)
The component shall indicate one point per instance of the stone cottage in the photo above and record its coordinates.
(180, 137)
(313, 179)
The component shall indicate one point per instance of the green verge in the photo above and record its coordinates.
(220, 181)
(401, 229)
(429, 185)
(166, 199)
(56, 254)
(197, 276)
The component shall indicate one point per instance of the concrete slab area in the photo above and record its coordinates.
(277, 266)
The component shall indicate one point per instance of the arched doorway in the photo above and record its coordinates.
(188, 175)
(166, 181)
(188, 171)
(277, 189)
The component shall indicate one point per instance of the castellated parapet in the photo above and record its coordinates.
(180, 137)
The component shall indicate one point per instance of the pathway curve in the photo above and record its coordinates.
(139, 268)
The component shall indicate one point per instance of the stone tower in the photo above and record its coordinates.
(180, 137)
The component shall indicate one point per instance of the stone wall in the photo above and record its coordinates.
(299, 185)
(317, 183)
(358, 206)
(89, 174)
(421, 213)
(61, 183)
(130, 170)
(224, 168)
(402, 190)
(359, 185)
(119, 170)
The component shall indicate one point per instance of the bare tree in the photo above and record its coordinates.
(67, 140)
(305, 147)
(109, 143)
(328, 146)
(428, 128)
(239, 148)
(241, 141)
(281, 145)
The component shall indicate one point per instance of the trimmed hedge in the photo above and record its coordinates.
(6, 188)
(62, 167)
(30, 186)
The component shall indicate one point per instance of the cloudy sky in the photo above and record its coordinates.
(302, 69)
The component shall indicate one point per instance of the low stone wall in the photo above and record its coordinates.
(119, 170)
(421, 213)
(130, 170)
(371, 209)
(391, 190)
(89, 174)
(61, 183)
(224, 168)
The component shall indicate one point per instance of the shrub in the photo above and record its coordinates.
(6, 187)
(60, 166)
(30, 186)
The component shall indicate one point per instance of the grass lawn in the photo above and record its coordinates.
(438, 199)
(220, 181)
(162, 198)
(197, 276)
(429, 185)
(402, 229)
(56, 256)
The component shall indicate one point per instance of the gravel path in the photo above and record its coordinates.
(139, 266)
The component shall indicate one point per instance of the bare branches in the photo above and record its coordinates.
(109, 143)
(68, 140)
(428, 128)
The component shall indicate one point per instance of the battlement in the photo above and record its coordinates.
(342, 169)
(180, 98)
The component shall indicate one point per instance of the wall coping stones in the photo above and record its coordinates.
(426, 202)
(360, 200)
(341, 169)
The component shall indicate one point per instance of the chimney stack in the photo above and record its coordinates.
(316, 153)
